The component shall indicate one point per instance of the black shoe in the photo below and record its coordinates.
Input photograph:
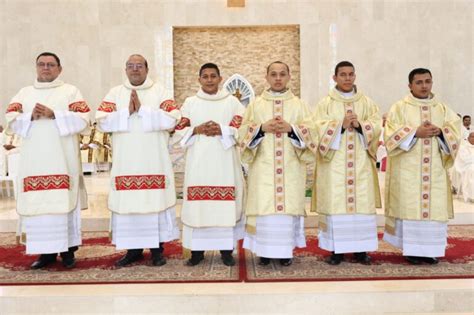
(130, 257)
(68, 259)
(196, 258)
(43, 261)
(227, 258)
(335, 259)
(286, 262)
(413, 260)
(157, 258)
(264, 261)
(430, 260)
(362, 258)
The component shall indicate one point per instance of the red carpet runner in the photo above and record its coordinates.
(96, 257)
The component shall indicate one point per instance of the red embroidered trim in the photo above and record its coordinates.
(139, 182)
(15, 107)
(217, 193)
(79, 107)
(327, 138)
(426, 159)
(252, 130)
(279, 160)
(168, 105)
(183, 123)
(368, 131)
(236, 121)
(451, 140)
(46, 182)
(107, 107)
(304, 132)
(351, 205)
(397, 138)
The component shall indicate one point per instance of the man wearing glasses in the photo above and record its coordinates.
(49, 115)
(140, 114)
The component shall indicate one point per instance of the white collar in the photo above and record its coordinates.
(145, 85)
(212, 97)
(47, 85)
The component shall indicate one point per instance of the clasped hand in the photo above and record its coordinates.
(42, 111)
(350, 120)
(276, 125)
(209, 128)
(134, 104)
(427, 130)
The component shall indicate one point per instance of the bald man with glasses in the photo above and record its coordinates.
(140, 113)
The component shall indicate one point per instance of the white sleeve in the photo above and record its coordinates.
(336, 144)
(68, 122)
(444, 147)
(188, 138)
(362, 140)
(115, 121)
(21, 125)
(298, 143)
(155, 120)
(254, 142)
(228, 137)
(409, 142)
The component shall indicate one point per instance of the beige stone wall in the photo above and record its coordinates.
(384, 39)
(243, 50)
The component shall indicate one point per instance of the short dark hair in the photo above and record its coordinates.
(417, 71)
(51, 55)
(465, 116)
(279, 62)
(209, 65)
(343, 64)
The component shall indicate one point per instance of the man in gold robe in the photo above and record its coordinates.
(422, 138)
(276, 144)
(346, 191)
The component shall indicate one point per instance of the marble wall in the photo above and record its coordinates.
(384, 38)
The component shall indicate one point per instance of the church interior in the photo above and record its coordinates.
(383, 39)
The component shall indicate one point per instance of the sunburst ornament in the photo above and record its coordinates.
(238, 86)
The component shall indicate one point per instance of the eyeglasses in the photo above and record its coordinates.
(46, 65)
(132, 66)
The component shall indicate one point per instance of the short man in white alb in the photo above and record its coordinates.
(48, 116)
(213, 182)
(142, 198)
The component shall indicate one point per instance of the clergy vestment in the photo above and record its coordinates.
(213, 181)
(103, 152)
(465, 131)
(50, 188)
(275, 204)
(14, 140)
(142, 195)
(87, 154)
(464, 166)
(346, 191)
(418, 201)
